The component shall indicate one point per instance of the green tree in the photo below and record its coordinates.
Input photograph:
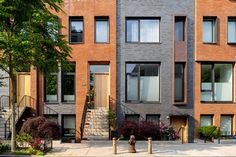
(29, 38)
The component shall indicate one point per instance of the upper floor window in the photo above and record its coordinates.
(232, 30)
(179, 28)
(145, 30)
(101, 29)
(216, 82)
(209, 30)
(50, 87)
(76, 30)
(68, 84)
(179, 82)
(142, 82)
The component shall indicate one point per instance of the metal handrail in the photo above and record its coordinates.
(209, 135)
(49, 110)
(86, 106)
(31, 104)
(3, 103)
(130, 111)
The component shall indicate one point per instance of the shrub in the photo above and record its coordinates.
(209, 131)
(23, 139)
(149, 129)
(129, 128)
(41, 127)
(111, 117)
(5, 147)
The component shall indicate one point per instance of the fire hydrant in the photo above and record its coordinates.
(132, 142)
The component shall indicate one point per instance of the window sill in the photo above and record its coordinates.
(234, 43)
(102, 43)
(180, 103)
(209, 43)
(79, 43)
(68, 102)
(217, 102)
(143, 42)
(51, 102)
(142, 102)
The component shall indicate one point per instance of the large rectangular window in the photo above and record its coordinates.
(232, 30)
(154, 118)
(179, 28)
(226, 125)
(209, 29)
(179, 82)
(68, 84)
(76, 30)
(142, 82)
(145, 30)
(50, 86)
(206, 120)
(101, 29)
(68, 125)
(216, 82)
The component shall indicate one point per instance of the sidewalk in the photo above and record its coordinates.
(104, 149)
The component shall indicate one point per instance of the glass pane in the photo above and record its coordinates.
(102, 31)
(68, 88)
(132, 117)
(208, 31)
(76, 31)
(51, 88)
(132, 87)
(223, 82)
(132, 31)
(179, 30)
(179, 82)
(206, 96)
(206, 121)
(149, 82)
(226, 125)
(206, 77)
(153, 118)
(99, 68)
(69, 125)
(149, 30)
(232, 31)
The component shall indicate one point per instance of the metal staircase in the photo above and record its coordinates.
(6, 113)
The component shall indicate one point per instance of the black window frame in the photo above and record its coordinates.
(214, 21)
(153, 115)
(76, 18)
(139, 19)
(213, 82)
(62, 124)
(232, 124)
(45, 85)
(63, 73)
(183, 19)
(102, 18)
(210, 115)
(132, 115)
(138, 75)
(183, 81)
(230, 18)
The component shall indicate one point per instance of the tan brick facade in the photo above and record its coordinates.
(219, 52)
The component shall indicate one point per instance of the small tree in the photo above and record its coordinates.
(29, 37)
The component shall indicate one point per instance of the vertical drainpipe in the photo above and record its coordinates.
(37, 93)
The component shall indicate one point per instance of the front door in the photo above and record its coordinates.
(23, 85)
(180, 121)
(101, 90)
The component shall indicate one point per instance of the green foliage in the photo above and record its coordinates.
(111, 117)
(209, 131)
(23, 139)
(4, 147)
(29, 151)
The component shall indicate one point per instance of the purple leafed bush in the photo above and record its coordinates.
(142, 130)
(41, 127)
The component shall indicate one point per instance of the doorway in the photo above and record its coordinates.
(100, 85)
(180, 121)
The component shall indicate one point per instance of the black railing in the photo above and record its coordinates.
(87, 105)
(49, 110)
(127, 110)
(26, 101)
(4, 102)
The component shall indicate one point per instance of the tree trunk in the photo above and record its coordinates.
(13, 118)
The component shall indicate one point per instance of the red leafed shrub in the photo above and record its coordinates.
(40, 127)
(37, 144)
(129, 128)
(149, 129)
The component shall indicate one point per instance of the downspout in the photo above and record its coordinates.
(37, 93)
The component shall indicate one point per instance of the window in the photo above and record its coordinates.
(232, 30)
(68, 84)
(142, 82)
(76, 30)
(179, 82)
(53, 29)
(145, 30)
(179, 28)
(206, 120)
(216, 82)
(209, 30)
(50, 87)
(68, 125)
(226, 125)
(132, 117)
(101, 29)
(155, 118)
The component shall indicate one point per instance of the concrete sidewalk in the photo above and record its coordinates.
(104, 149)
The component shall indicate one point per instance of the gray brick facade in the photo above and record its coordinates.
(159, 52)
